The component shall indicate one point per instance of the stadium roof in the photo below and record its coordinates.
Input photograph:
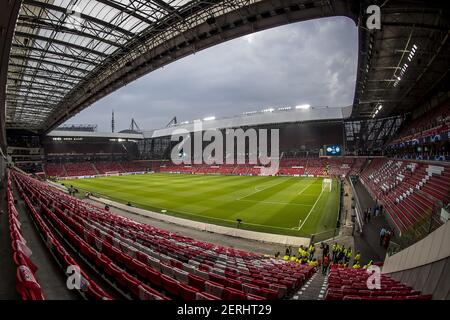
(406, 62)
(266, 117)
(66, 55)
(85, 134)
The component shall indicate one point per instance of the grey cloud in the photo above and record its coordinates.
(309, 62)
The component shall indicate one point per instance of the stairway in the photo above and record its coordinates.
(313, 289)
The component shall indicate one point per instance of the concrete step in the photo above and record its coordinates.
(313, 289)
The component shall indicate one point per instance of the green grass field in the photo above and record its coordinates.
(283, 205)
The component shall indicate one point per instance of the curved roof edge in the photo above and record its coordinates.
(255, 119)
(80, 134)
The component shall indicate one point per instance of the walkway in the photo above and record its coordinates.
(7, 267)
(313, 289)
(368, 242)
(49, 275)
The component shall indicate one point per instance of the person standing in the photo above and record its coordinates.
(334, 251)
(382, 234)
(311, 250)
(325, 264)
(357, 257)
(387, 239)
(342, 254)
(326, 250)
(348, 256)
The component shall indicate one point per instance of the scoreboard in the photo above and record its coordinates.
(333, 150)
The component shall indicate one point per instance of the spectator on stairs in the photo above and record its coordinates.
(357, 257)
(311, 250)
(325, 249)
(325, 265)
(348, 256)
(382, 234)
(387, 239)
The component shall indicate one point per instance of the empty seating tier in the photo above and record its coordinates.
(352, 284)
(409, 191)
(147, 262)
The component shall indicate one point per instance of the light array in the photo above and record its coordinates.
(403, 69)
(377, 110)
(267, 110)
(303, 107)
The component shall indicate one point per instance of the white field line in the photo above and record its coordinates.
(277, 202)
(310, 211)
(307, 186)
(227, 220)
(259, 190)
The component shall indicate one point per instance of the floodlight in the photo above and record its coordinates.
(303, 107)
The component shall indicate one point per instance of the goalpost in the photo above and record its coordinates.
(327, 185)
(112, 173)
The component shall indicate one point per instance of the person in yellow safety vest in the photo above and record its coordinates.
(343, 254)
(357, 256)
(348, 256)
(340, 253)
(305, 256)
(334, 251)
(368, 265)
(293, 259)
(311, 250)
(286, 258)
(313, 263)
(356, 265)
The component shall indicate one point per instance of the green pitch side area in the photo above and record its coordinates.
(282, 205)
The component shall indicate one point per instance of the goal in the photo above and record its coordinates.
(327, 184)
(112, 173)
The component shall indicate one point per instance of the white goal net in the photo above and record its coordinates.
(112, 173)
(327, 184)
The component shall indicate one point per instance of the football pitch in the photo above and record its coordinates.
(282, 205)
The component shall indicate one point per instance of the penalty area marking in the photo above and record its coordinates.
(277, 202)
(310, 211)
(221, 219)
(307, 186)
(259, 190)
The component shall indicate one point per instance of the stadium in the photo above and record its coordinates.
(286, 202)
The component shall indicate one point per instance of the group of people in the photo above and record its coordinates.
(372, 212)
(342, 255)
(305, 255)
(338, 255)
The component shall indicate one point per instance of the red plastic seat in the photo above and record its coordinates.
(196, 282)
(26, 284)
(154, 276)
(233, 294)
(170, 285)
(187, 292)
(214, 288)
(147, 293)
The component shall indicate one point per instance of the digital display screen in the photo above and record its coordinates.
(333, 150)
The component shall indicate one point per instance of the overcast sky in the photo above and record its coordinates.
(311, 62)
